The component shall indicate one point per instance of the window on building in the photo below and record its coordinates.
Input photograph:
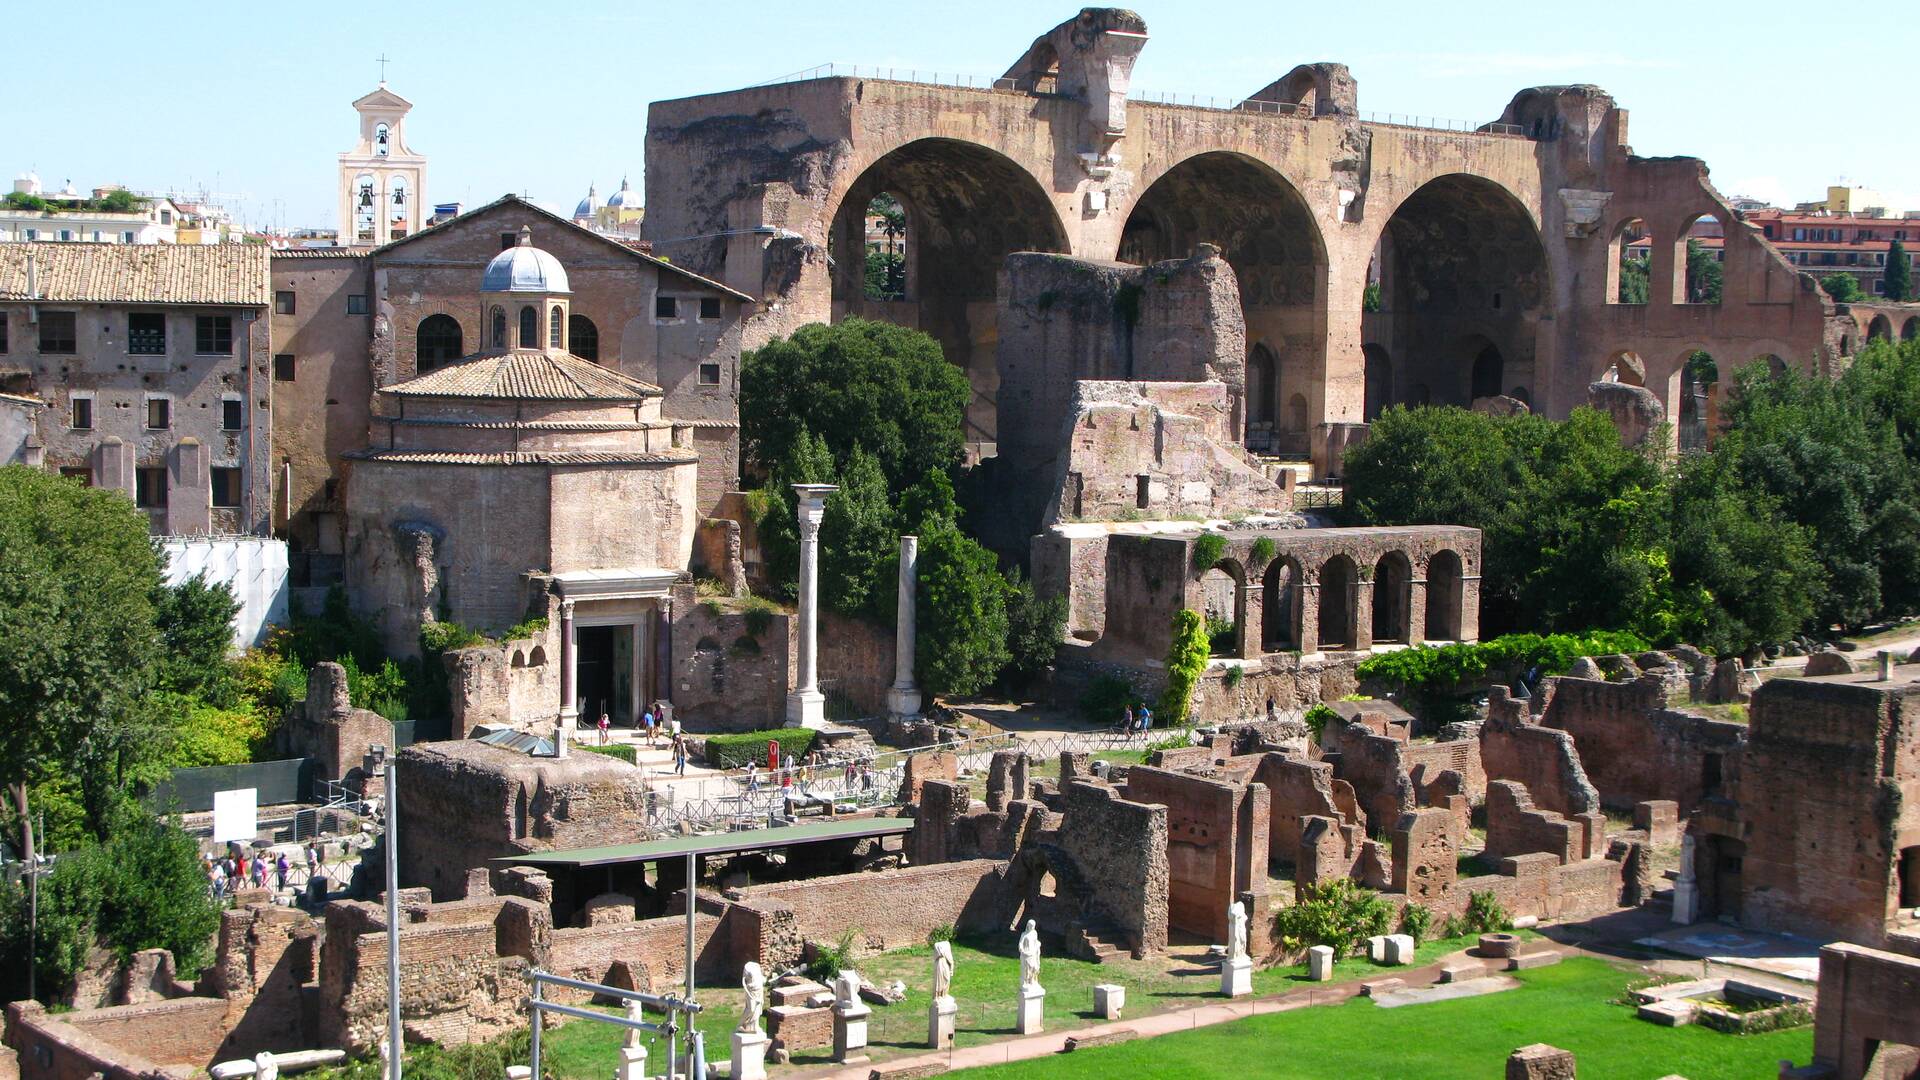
(226, 487)
(1853, 258)
(436, 342)
(356, 303)
(147, 333)
(283, 367)
(3, 331)
(709, 374)
(150, 488)
(213, 335)
(507, 240)
(127, 237)
(78, 472)
(233, 414)
(80, 417)
(96, 236)
(1799, 234)
(556, 328)
(33, 234)
(58, 332)
(166, 217)
(499, 328)
(709, 307)
(283, 302)
(529, 328)
(66, 234)
(583, 338)
(159, 413)
(665, 307)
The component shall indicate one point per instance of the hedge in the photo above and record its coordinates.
(737, 751)
(1435, 668)
(622, 751)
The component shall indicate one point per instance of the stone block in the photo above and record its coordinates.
(1461, 971)
(1373, 988)
(1236, 977)
(1104, 1038)
(1109, 999)
(1377, 948)
(794, 993)
(940, 1017)
(1498, 946)
(1399, 949)
(1524, 961)
(1829, 662)
(1540, 1062)
(1033, 1011)
(850, 1032)
(1659, 818)
(1667, 1013)
(1320, 963)
(749, 1056)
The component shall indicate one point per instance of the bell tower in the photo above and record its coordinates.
(383, 183)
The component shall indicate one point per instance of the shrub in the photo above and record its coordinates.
(1339, 914)
(447, 636)
(830, 960)
(1427, 668)
(622, 751)
(1234, 675)
(1186, 658)
(759, 612)
(525, 628)
(1208, 549)
(737, 751)
(1416, 921)
(1177, 739)
(943, 932)
(1316, 718)
(1263, 550)
(1105, 697)
(1454, 927)
(1035, 627)
(1486, 915)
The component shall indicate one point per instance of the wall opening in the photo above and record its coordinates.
(1629, 260)
(1445, 596)
(1392, 597)
(1280, 606)
(1337, 580)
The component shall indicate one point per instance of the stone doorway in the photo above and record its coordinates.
(606, 674)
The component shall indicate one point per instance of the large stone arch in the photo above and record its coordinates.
(1461, 260)
(1881, 328)
(1267, 232)
(968, 206)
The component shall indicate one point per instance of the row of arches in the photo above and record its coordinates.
(1694, 269)
(921, 233)
(1400, 605)
(439, 340)
(1880, 328)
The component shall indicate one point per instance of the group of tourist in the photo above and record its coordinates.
(802, 774)
(244, 867)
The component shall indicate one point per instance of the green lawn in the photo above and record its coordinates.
(1567, 1005)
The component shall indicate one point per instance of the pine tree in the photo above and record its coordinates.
(1899, 277)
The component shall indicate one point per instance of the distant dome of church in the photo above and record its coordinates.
(626, 198)
(588, 206)
(524, 268)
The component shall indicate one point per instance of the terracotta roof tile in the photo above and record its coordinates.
(137, 273)
(526, 374)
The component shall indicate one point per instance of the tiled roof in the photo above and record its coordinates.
(319, 253)
(137, 273)
(554, 457)
(526, 374)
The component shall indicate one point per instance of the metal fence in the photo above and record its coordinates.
(191, 790)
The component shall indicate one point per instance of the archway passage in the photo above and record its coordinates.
(1224, 608)
(965, 208)
(1463, 271)
(437, 342)
(1445, 596)
(1263, 372)
(1880, 329)
(1912, 330)
(1699, 374)
(1280, 606)
(1392, 597)
(1379, 381)
(1337, 579)
(1267, 234)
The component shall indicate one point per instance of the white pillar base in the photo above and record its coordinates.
(1320, 964)
(904, 701)
(1686, 901)
(1236, 977)
(807, 709)
(1033, 1010)
(850, 1031)
(633, 1063)
(749, 1056)
(940, 1016)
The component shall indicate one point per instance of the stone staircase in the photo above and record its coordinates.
(1099, 942)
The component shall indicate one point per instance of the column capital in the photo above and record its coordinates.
(812, 507)
(566, 609)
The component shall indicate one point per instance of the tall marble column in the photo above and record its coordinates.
(569, 671)
(904, 699)
(806, 705)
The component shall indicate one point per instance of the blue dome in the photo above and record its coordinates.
(588, 206)
(524, 268)
(626, 198)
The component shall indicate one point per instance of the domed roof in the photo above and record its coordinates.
(626, 198)
(588, 205)
(524, 268)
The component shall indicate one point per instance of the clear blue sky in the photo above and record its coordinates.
(254, 98)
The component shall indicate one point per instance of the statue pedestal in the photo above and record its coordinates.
(904, 702)
(1236, 977)
(749, 1056)
(807, 709)
(633, 1063)
(1686, 900)
(1033, 1010)
(940, 1016)
(850, 1031)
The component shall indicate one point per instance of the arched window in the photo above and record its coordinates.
(499, 320)
(381, 141)
(556, 328)
(397, 208)
(437, 342)
(583, 338)
(529, 328)
(365, 212)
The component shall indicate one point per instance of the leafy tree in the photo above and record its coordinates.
(195, 619)
(1340, 914)
(1035, 627)
(119, 202)
(77, 580)
(1898, 281)
(1187, 654)
(883, 388)
(1844, 288)
(886, 275)
(1633, 278)
(808, 461)
(962, 631)
(859, 552)
(1746, 575)
(1703, 275)
(1370, 297)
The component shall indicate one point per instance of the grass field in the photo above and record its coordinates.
(1568, 1005)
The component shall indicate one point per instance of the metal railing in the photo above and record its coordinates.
(680, 1017)
(895, 74)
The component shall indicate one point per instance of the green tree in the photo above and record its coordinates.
(195, 619)
(1187, 652)
(886, 275)
(1844, 288)
(1899, 275)
(1703, 274)
(885, 389)
(961, 632)
(1746, 575)
(808, 461)
(119, 202)
(1035, 627)
(1633, 278)
(859, 550)
(77, 579)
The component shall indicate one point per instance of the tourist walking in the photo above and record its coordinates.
(679, 756)
(603, 727)
(280, 870)
(646, 725)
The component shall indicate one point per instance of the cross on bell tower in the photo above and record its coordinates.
(382, 58)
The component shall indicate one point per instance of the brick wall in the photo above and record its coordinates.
(893, 909)
(1865, 997)
(126, 1042)
(1211, 838)
(1633, 747)
(1118, 847)
(726, 678)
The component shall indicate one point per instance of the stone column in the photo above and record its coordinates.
(904, 699)
(1417, 598)
(1252, 620)
(1309, 594)
(190, 498)
(1470, 603)
(806, 705)
(1362, 614)
(569, 669)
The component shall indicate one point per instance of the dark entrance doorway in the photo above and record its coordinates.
(605, 674)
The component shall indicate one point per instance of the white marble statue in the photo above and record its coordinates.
(633, 1034)
(942, 969)
(846, 989)
(1030, 955)
(1236, 931)
(754, 982)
